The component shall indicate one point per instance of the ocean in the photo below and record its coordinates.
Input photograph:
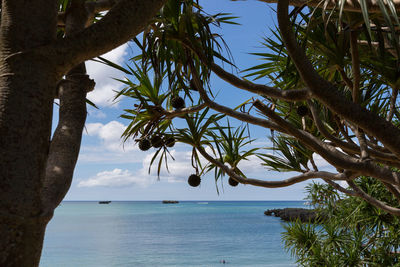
(191, 233)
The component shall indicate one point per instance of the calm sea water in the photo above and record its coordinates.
(192, 233)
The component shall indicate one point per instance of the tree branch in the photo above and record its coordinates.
(263, 90)
(331, 154)
(126, 19)
(91, 7)
(393, 98)
(174, 113)
(270, 184)
(351, 148)
(228, 111)
(375, 202)
(65, 145)
(328, 94)
(393, 189)
(345, 78)
(341, 189)
(260, 89)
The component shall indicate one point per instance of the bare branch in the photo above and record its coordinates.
(373, 201)
(260, 89)
(345, 78)
(363, 143)
(375, 45)
(341, 189)
(331, 154)
(266, 91)
(393, 98)
(228, 111)
(270, 184)
(174, 113)
(66, 141)
(352, 148)
(328, 94)
(65, 145)
(393, 189)
(126, 19)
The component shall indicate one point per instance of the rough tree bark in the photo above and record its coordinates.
(35, 170)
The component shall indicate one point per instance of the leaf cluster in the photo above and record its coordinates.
(353, 233)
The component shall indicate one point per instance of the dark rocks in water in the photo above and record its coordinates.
(293, 214)
(105, 202)
(170, 202)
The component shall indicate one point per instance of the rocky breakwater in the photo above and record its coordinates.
(293, 214)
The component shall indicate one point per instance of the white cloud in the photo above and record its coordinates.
(116, 178)
(179, 170)
(110, 135)
(103, 75)
(252, 167)
(96, 113)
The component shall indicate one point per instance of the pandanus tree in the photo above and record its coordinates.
(332, 73)
(43, 47)
(352, 231)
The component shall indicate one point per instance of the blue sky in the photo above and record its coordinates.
(109, 169)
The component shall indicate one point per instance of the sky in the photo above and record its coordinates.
(108, 169)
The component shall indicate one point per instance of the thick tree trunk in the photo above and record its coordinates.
(26, 100)
(21, 241)
(27, 88)
(35, 173)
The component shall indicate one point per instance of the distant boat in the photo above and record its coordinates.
(104, 202)
(170, 202)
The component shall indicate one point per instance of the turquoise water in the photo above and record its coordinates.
(192, 233)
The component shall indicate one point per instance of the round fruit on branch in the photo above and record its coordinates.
(194, 180)
(144, 144)
(232, 182)
(302, 110)
(169, 141)
(177, 102)
(156, 141)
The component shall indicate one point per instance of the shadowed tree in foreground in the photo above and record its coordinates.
(43, 48)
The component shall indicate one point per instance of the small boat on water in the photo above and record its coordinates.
(105, 202)
(170, 202)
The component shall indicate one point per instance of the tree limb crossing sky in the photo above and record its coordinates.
(109, 169)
